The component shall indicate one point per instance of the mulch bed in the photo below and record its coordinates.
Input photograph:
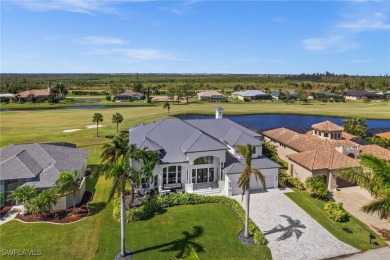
(4, 210)
(61, 216)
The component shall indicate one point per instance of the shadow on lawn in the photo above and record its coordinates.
(289, 231)
(181, 246)
(96, 207)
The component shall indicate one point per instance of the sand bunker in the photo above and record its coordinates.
(94, 126)
(71, 130)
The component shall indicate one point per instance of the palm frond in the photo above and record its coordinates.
(380, 206)
(260, 177)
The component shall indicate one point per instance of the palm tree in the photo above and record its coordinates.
(37, 205)
(121, 172)
(49, 197)
(23, 194)
(375, 178)
(97, 118)
(69, 182)
(167, 106)
(148, 160)
(117, 118)
(245, 178)
(118, 147)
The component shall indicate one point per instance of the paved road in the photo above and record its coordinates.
(291, 232)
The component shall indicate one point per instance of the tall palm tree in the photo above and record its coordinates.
(69, 182)
(117, 118)
(118, 147)
(375, 178)
(167, 106)
(245, 178)
(97, 118)
(49, 197)
(121, 172)
(23, 194)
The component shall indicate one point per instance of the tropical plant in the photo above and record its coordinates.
(97, 118)
(244, 180)
(121, 172)
(356, 126)
(118, 147)
(167, 106)
(23, 194)
(316, 186)
(336, 211)
(49, 197)
(117, 118)
(68, 182)
(375, 178)
(37, 206)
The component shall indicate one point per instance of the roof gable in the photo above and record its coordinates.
(327, 126)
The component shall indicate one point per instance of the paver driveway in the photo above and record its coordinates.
(290, 231)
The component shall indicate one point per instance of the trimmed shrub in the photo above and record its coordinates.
(336, 211)
(158, 203)
(317, 186)
(284, 178)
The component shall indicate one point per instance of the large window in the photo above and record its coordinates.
(203, 175)
(172, 174)
(204, 160)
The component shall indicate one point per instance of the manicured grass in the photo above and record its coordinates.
(315, 208)
(161, 237)
(48, 125)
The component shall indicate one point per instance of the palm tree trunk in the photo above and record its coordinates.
(74, 203)
(117, 127)
(123, 252)
(97, 129)
(247, 194)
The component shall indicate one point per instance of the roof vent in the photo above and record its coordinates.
(218, 113)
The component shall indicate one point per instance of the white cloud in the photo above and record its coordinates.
(366, 22)
(100, 40)
(134, 53)
(76, 6)
(332, 43)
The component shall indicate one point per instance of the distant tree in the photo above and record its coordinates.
(117, 118)
(68, 182)
(108, 98)
(356, 126)
(167, 106)
(30, 98)
(137, 87)
(179, 94)
(171, 93)
(97, 118)
(188, 91)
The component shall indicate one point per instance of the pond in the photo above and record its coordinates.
(266, 121)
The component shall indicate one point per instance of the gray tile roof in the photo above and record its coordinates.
(177, 137)
(250, 93)
(40, 162)
(237, 165)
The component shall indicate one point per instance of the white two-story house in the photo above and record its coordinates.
(200, 154)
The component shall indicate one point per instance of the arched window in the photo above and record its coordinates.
(204, 160)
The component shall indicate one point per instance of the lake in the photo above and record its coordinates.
(265, 121)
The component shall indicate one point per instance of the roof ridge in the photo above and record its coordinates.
(194, 140)
(314, 159)
(330, 164)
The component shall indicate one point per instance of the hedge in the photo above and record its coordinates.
(336, 211)
(158, 203)
(285, 178)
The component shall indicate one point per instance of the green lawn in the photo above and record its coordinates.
(315, 208)
(161, 237)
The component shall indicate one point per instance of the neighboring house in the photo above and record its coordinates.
(38, 94)
(384, 135)
(322, 150)
(211, 95)
(293, 95)
(328, 95)
(251, 95)
(128, 96)
(39, 165)
(361, 95)
(201, 154)
(6, 97)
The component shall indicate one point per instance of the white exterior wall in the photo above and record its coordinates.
(66, 201)
(271, 181)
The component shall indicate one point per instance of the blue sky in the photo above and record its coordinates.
(259, 37)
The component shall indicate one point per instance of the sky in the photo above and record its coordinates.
(248, 37)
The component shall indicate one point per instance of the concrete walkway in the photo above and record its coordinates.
(11, 214)
(374, 254)
(353, 198)
(290, 231)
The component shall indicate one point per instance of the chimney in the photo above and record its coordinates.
(218, 113)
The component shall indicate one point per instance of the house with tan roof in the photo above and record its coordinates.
(38, 94)
(211, 95)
